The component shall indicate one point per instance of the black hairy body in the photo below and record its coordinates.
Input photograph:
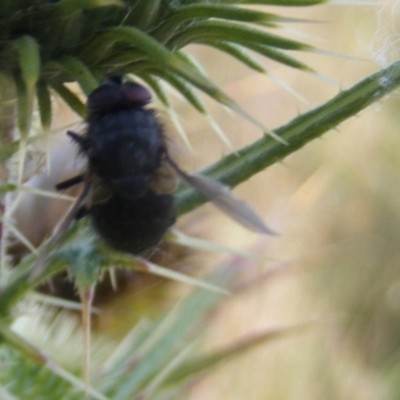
(125, 148)
(133, 226)
(130, 176)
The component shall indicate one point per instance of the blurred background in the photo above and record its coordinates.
(336, 207)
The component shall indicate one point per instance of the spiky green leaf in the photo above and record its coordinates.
(79, 72)
(184, 89)
(283, 3)
(143, 265)
(71, 6)
(71, 99)
(30, 63)
(176, 63)
(44, 104)
(277, 55)
(29, 60)
(239, 53)
(157, 88)
(204, 10)
(24, 107)
(232, 32)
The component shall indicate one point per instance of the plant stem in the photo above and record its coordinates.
(246, 162)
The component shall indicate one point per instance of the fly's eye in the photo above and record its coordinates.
(136, 94)
(104, 98)
(114, 95)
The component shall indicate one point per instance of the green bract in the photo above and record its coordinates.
(46, 45)
(51, 43)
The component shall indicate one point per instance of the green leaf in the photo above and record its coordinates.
(175, 62)
(145, 14)
(239, 53)
(161, 56)
(29, 62)
(283, 3)
(234, 13)
(149, 46)
(232, 32)
(157, 88)
(79, 72)
(44, 104)
(71, 6)
(80, 255)
(84, 261)
(71, 99)
(24, 107)
(183, 88)
(277, 55)
(208, 10)
(142, 265)
(29, 59)
(203, 83)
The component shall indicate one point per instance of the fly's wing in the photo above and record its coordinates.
(96, 192)
(222, 198)
(164, 180)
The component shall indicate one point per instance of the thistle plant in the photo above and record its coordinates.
(48, 45)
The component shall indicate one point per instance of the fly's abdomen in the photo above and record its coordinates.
(134, 225)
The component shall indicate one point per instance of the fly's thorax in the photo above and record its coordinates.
(125, 143)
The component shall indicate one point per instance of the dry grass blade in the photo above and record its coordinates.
(147, 266)
(203, 364)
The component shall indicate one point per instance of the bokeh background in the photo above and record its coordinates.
(336, 205)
